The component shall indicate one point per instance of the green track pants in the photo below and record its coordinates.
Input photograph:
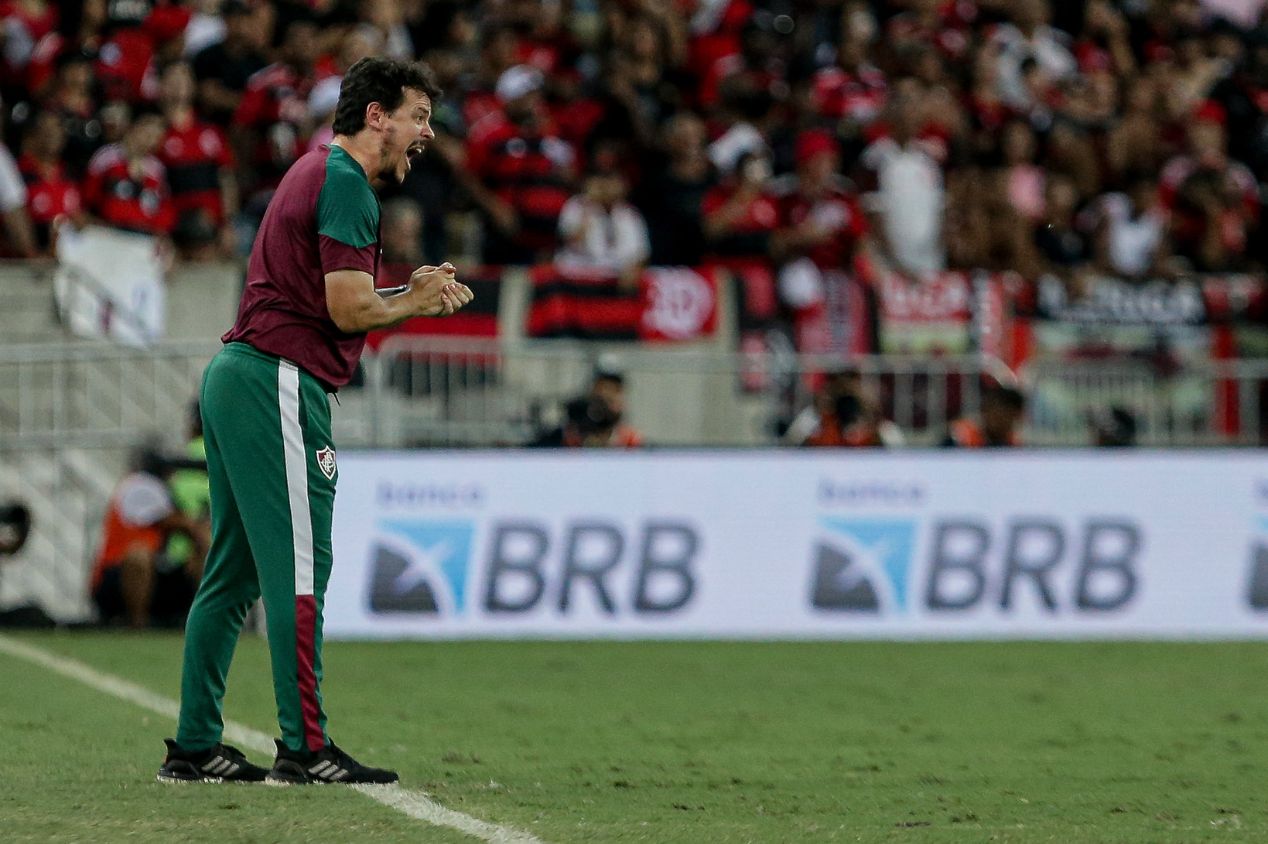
(270, 463)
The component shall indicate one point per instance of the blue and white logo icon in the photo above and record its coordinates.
(863, 565)
(420, 567)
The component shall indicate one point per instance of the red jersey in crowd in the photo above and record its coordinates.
(527, 169)
(128, 197)
(859, 94)
(124, 66)
(49, 193)
(946, 29)
(837, 210)
(276, 101)
(26, 25)
(748, 239)
(193, 156)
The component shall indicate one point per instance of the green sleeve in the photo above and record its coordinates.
(347, 209)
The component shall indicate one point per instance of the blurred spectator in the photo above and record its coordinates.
(1026, 181)
(740, 214)
(357, 44)
(51, 193)
(383, 21)
(821, 229)
(1029, 46)
(996, 426)
(526, 168)
(819, 213)
(19, 233)
(224, 68)
(674, 191)
(844, 414)
(600, 230)
(1062, 246)
(852, 92)
(499, 52)
(25, 24)
(129, 585)
(757, 66)
(1130, 230)
(637, 92)
(596, 419)
(1132, 145)
(1213, 200)
(745, 115)
(1072, 153)
(910, 196)
(1113, 427)
(206, 26)
(272, 118)
(73, 98)
(402, 232)
(126, 186)
(199, 165)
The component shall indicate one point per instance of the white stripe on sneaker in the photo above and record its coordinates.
(296, 475)
(216, 766)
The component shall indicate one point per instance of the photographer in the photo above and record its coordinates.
(594, 420)
(845, 414)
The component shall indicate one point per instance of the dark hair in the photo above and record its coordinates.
(379, 80)
(140, 111)
(1006, 395)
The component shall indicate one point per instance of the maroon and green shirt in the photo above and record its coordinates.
(323, 217)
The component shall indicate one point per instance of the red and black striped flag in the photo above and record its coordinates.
(665, 304)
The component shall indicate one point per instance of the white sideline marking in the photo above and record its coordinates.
(414, 804)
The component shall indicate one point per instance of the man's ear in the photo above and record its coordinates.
(374, 115)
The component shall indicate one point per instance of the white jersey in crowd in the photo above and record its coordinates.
(600, 239)
(12, 187)
(910, 198)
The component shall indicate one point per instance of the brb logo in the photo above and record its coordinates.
(431, 567)
(422, 568)
(872, 565)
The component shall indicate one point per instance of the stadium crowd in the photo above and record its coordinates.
(807, 140)
(915, 134)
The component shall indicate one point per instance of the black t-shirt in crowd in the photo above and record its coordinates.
(231, 69)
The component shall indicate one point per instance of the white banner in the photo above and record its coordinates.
(109, 283)
(801, 545)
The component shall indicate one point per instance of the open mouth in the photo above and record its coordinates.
(413, 151)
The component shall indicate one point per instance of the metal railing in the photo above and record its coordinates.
(95, 393)
(459, 392)
(1213, 403)
(429, 391)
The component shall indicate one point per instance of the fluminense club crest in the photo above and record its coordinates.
(326, 462)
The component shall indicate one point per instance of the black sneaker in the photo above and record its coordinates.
(330, 764)
(221, 763)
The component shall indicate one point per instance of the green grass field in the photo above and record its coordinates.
(678, 742)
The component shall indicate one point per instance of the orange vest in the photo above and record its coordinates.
(831, 435)
(968, 434)
(119, 537)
